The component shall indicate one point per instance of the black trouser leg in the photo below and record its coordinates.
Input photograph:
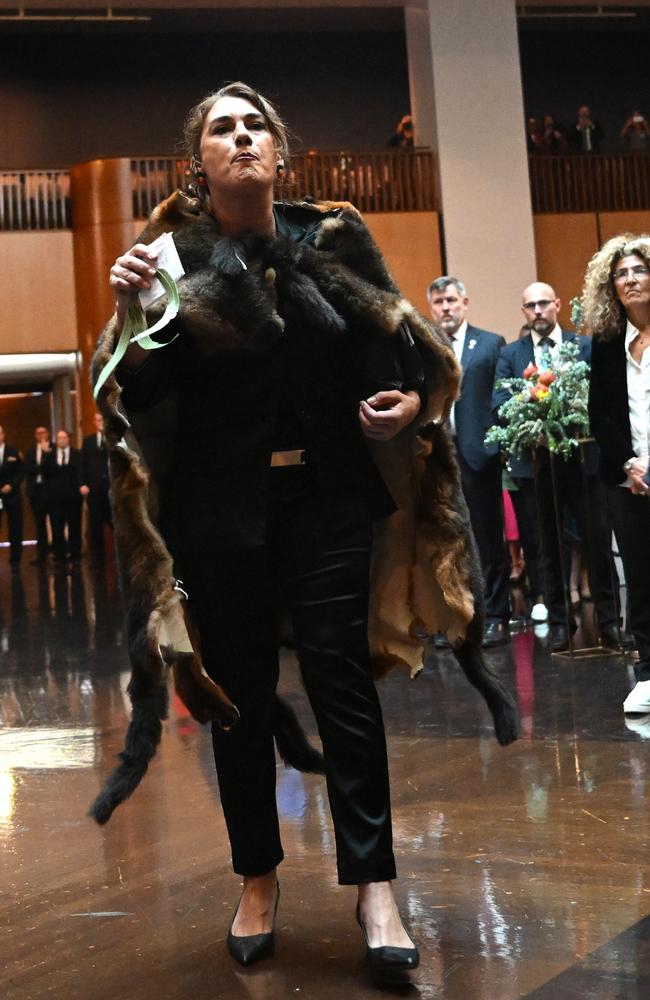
(58, 521)
(482, 490)
(327, 580)
(15, 529)
(99, 514)
(590, 513)
(232, 605)
(73, 518)
(552, 560)
(39, 510)
(630, 516)
(525, 503)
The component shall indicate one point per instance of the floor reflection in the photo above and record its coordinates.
(522, 871)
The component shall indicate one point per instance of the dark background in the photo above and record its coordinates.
(68, 96)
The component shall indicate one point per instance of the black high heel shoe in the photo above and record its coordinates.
(251, 948)
(388, 958)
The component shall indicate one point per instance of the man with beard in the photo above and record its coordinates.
(480, 465)
(541, 306)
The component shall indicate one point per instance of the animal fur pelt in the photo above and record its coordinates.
(425, 575)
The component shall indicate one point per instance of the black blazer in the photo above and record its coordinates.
(513, 360)
(473, 413)
(32, 470)
(94, 464)
(609, 406)
(11, 474)
(63, 481)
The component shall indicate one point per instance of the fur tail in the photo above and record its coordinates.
(292, 744)
(498, 698)
(142, 738)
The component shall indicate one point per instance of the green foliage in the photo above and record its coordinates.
(554, 414)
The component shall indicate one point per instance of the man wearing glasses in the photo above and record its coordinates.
(541, 307)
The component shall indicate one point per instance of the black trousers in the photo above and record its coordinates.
(14, 512)
(482, 491)
(66, 513)
(99, 514)
(319, 569)
(590, 512)
(630, 516)
(38, 503)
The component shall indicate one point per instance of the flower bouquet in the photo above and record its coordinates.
(547, 406)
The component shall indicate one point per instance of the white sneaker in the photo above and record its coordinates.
(639, 725)
(539, 613)
(638, 700)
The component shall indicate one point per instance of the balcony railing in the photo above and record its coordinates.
(590, 182)
(380, 181)
(34, 199)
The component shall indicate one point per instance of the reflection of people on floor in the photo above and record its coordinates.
(64, 498)
(95, 487)
(11, 499)
(35, 488)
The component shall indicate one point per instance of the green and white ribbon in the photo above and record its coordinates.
(135, 330)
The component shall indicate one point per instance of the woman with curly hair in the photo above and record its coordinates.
(616, 309)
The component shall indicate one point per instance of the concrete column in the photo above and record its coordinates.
(477, 130)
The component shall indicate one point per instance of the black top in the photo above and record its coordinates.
(609, 406)
(234, 407)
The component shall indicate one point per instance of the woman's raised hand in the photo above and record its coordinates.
(385, 414)
(131, 273)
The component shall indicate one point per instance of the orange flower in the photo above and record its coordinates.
(530, 371)
(546, 378)
(540, 393)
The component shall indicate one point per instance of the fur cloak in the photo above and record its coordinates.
(425, 575)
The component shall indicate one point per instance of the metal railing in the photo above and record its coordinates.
(379, 181)
(374, 181)
(34, 199)
(590, 182)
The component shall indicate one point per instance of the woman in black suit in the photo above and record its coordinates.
(304, 524)
(616, 305)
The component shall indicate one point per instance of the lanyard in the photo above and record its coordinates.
(135, 329)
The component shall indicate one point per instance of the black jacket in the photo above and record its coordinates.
(226, 404)
(33, 470)
(609, 407)
(11, 474)
(473, 413)
(94, 464)
(63, 481)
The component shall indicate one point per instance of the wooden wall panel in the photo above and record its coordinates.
(613, 223)
(37, 305)
(564, 244)
(410, 241)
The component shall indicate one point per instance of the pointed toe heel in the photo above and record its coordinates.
(388, 958)
(250, 948)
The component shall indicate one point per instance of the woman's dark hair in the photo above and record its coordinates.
(193, 128)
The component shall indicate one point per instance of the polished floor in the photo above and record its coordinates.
(523, 872)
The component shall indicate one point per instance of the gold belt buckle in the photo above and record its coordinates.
(280, 458)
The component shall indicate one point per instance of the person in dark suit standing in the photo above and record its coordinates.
(64, 498)
(95, 487)
(480, 465)
(541, 307)
(35, 458)
(11, 499)
(616, 307)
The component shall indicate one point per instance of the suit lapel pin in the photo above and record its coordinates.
(471, 345)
